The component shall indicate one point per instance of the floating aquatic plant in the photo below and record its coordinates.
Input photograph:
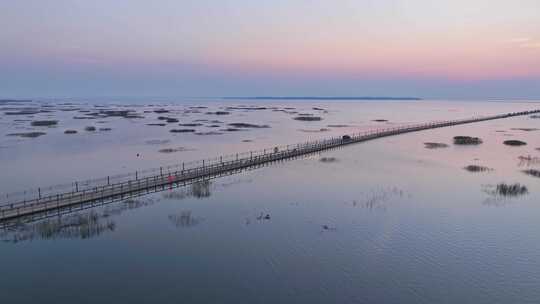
(514, 143)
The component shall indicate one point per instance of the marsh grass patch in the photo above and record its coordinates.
(467, 140)
(435, 145)
(528, 160)
(506, 190)
(514, 143)
(477, 168)
(525, 129)
(28, 134)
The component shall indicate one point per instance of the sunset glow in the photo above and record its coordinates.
(102, 43)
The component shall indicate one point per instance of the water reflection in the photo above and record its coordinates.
(199, 189)
(77, 226)
(81, 225)
(184, 219)
(503, 194)
(378, 198)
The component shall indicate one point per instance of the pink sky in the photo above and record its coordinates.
(456, 41)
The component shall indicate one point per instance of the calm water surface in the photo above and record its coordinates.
(385, 221)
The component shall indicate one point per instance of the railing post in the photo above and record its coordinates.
(76, 187)
(39, 193)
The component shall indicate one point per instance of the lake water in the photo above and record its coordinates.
(384, 221)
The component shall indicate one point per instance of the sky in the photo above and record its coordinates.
(176, 48)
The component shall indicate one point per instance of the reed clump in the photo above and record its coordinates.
(532, 172)
(514, 143)
(467, 140)
(28, 134)
(328, 159)
(510, 190)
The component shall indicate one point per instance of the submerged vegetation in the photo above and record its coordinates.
(44, 123)
(467, 140)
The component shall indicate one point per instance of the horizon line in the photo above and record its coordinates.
(323, 97)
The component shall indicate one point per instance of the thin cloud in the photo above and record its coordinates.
(531, 45)
(525, 42)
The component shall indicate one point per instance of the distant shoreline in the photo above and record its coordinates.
(323, 98)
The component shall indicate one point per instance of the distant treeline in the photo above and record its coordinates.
(324, 98)
(4, 101)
